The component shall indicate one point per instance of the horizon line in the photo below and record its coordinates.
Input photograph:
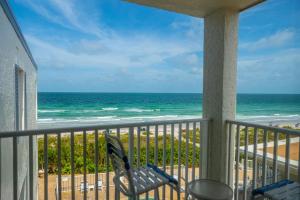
(161, 92)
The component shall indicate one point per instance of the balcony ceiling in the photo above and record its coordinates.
(197, 8)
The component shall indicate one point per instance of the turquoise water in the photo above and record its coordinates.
(96, 108)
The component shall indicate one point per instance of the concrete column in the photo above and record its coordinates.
(219, 92)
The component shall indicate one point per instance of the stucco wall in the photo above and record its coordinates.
(219, 89)
(12, 53)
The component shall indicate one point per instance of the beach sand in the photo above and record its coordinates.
(294, 151)
(66, 185)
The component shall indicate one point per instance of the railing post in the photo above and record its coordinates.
(72, 166)
(172, 156)
(156, 146)
(264, 167)
(96, 163)
(45, 166)
(194, 151)
(15, 168)
(254, 171)
(30, 144)
(138, 146)
(204, 127)
(164, 157)
(275, 157)
(59, 189)
(130, 146)
(230, 153)
(287, 157)
(84, 166)
(186, 176)
(245, 183)
(179, 153)
(107, 171)
(237, 160)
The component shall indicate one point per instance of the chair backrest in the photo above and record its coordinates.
(119, 162)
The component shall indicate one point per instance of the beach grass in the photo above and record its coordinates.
(90, 152)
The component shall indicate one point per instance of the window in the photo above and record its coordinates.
(20, 87)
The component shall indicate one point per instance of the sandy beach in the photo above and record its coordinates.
(66, 185)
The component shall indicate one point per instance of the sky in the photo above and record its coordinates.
(116, 46)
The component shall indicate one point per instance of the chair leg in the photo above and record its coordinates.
(178, 193)
(116, 194)
(156, 194)
(133, 198)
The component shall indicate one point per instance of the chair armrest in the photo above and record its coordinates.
(272, 186)
(161, 172)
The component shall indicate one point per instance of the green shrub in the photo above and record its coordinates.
(90, 152)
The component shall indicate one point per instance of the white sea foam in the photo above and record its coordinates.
(87, 111)
(267, 116)
(293, 115)
(155, 118)
(98, 118)
(74, 121)
(50, 111)
(45, 120)
(110, 108)
(93, 111)
(265, 119)
(49, 122)
(140, 110)
(111, 119)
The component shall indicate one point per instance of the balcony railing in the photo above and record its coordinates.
(263, 155)
(73, 162)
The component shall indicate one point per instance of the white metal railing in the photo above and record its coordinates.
(176, 132)
(265, 153)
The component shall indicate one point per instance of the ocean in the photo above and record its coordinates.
(74, 109)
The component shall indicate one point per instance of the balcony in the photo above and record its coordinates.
(69, 163)
(73, 163)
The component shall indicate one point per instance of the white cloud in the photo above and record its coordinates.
(285, 62)
(114, 52)
(111, 62)
(279, 39)
(110, 49)
(111, 58)
(276, 73)
(68, 14)
(193, 30)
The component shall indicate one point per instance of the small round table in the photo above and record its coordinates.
(205, 189)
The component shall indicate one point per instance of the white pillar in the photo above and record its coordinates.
(219, 92)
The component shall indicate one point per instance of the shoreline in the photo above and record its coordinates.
(291, 120)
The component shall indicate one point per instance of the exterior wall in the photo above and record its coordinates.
(12, 53)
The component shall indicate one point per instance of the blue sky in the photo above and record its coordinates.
(115, 46)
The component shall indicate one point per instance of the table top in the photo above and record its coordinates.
(209, 189)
